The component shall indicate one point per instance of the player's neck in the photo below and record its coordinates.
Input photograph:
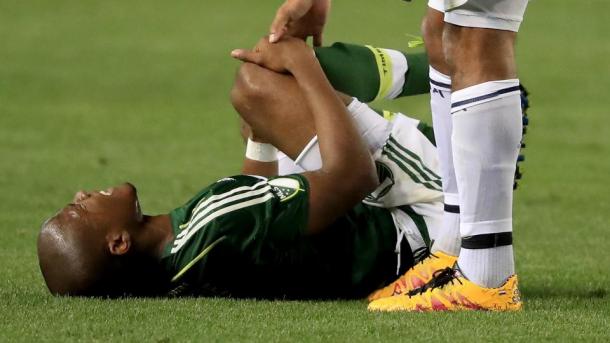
(155, 234)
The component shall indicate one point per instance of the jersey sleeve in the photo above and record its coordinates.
(236, 220)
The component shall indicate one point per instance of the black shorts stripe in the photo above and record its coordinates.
(485, 97)
(487, 241)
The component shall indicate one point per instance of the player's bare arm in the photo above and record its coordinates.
(248, 94)
(347, 166)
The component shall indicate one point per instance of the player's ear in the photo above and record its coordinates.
(118, 242)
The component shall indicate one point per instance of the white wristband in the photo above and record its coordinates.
(262, 152)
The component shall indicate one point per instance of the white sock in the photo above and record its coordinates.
(487, 267)
(486, 137)
(448, 239)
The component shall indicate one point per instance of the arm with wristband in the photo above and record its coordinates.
(347, 166)
(365, 72)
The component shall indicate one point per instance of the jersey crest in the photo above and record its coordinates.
(284, 187)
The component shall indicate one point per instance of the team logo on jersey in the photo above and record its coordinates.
(284, 188)
(386, 181)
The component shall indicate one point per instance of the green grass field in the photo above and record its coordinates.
(96, 93)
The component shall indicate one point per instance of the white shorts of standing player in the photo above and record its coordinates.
(490, 14)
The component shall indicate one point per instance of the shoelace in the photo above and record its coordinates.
(440, 278)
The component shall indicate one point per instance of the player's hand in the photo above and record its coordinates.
(281, 57)
(300, 18)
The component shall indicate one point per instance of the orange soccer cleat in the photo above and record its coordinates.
(451, 291)
(416, 276)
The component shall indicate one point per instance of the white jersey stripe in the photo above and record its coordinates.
(197, 216)
(205, 201)
(178, 244)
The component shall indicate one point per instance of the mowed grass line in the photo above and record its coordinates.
(92, 94)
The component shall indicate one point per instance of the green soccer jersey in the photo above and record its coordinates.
(244, 236)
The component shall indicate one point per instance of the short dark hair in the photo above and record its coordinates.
(69, 268)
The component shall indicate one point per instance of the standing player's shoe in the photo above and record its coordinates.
(417, 276)
(451, 291)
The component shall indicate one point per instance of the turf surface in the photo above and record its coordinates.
(95, 93)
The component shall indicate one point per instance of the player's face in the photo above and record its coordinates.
(113, 207)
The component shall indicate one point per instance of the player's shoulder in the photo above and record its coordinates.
(283, 183)
(243, 186)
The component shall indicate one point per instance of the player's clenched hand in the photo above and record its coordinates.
(281, 57)
(300, 18)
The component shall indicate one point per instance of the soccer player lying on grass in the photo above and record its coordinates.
(246, 236)
(299, 235)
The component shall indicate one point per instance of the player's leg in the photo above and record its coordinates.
(486, 109)
(371, 73)
(486, 139)
(273, 106)
(448, 241)
(367, 73)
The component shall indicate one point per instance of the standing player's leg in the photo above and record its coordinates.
(478, 41)
(486, 109)
(440, 103)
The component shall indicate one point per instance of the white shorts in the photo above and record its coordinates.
(407, 161)
(490, 14)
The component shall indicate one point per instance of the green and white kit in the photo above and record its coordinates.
(244, 236)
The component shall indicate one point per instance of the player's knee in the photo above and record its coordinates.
(248, 89)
